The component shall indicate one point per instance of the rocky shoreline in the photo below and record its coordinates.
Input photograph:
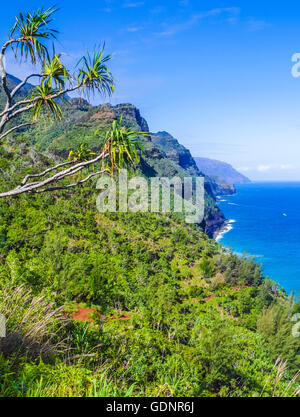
(227, 226)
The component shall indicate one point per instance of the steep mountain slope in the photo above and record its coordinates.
(221, 169)
(78, 126)
(178, 314)
(175, 151)
(183, 317)
(80, 123)
(182, 156)
(175, 314)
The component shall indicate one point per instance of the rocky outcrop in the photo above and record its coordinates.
(182, 156)
(80, 104)
(221, 187)
(131, 116)
(175, 151)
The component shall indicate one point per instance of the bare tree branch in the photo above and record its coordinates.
(38, 185)
(7, 118)
(72, 185)
(42, 174)
(19, 86)
(34, 100)
(15, 128)
(5, 89)
(3, 71)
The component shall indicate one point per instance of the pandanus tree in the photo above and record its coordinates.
(121, 146)
(29, 38)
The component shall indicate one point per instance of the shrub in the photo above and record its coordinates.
(32, 325)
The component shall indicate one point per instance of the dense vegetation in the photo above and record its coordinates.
(177, 314)
(172, 313)
(79, 124)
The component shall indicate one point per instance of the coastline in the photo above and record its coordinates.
(227, 226)
(275, 222)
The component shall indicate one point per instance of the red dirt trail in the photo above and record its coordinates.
(83, 314)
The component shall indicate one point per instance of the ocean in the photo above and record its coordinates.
(265, 222)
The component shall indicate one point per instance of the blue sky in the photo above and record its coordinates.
(215, 74)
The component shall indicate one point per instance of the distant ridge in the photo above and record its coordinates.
(215, 168)
(78, 125)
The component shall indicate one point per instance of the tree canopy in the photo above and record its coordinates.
(29, 40)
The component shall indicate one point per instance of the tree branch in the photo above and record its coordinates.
(3, 76)
(32, 101)
(15, 128)
(40, 98)
(19, 86)
(3, 71)
(38, 185)
(71, 185)
(42, 174)
(10, 111)
(9, 114)
(16, 113)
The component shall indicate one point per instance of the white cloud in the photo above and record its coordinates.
(194, 19)
(132, 5)
(132, 29)
(264, 168)
(256, 25)
(286, 166)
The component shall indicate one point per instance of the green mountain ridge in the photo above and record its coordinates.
(78, 126)
(173, 313)
(219, 169)
(182, 156)
(160, 158)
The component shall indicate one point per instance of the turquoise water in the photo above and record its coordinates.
(267, 225)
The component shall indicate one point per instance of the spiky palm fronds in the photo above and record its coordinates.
(84, 153)
(121, 146)
(42, 100)
(29, 29)
(28, 39)
(55, 72)
(94, 74)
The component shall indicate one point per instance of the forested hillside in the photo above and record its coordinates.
(79, 124)
(132, 304)
(172, 313)
(179, 316)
